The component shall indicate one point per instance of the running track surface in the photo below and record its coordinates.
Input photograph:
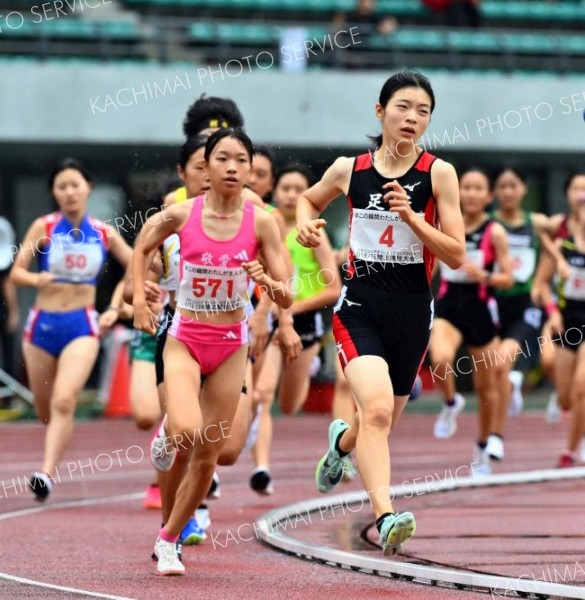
(102, 542)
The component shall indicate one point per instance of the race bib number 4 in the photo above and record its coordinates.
(76, 263)
(212, 288)
(384, 237)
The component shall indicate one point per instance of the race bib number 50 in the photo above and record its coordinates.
(384, 237)
(76, 263)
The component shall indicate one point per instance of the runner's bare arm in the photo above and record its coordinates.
(448, 242)
(314, 201)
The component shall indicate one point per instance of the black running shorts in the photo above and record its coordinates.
(368, 321)
(520, 320)
(574, 334)
(309, 326)
(475, 319)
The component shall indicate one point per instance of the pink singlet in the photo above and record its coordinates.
(213, 281)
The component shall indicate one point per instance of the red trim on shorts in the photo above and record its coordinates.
(346, 350)
(95, 332)
(31, 324)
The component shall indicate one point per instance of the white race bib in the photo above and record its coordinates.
(171, 256)
(459, 275)
(575, 284)
(523, 263)
(214, 289)
(383, 237)
(77, 263)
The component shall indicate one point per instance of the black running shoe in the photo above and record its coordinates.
(41, 486)
(261, 482)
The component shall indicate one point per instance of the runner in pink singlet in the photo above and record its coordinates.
(220, 237)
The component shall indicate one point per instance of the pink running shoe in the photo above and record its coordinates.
(152, 499)
(567, 460)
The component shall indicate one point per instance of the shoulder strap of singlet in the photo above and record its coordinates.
(425, 161)
(248, 219)
(486, 244)
(362, 162)
(101, 228)
(193, 221)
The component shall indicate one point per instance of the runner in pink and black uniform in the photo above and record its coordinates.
(466, 312)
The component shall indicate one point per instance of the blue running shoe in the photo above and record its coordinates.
(396, 529)
(331, 467)
(192, 534)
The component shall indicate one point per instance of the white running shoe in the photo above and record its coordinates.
(168, 559)
(446, 423)
(203, 517)
(315, 366)
(253, 429)
(481, 464)
(553, 411)
(162, 452)
(179, 546)
(517, 400)
(495, 447)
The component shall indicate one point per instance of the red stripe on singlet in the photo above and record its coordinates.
(428, 256)
(363, 162)
(425, 162)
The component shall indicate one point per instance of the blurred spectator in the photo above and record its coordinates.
(367, 22)
(455, 13)
(365, 17)
(9, 312)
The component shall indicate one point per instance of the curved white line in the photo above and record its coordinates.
(71, 504)
(267, 530)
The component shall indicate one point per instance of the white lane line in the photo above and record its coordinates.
(71, 504)
(268, 530)
(61, 588)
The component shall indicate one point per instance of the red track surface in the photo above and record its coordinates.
(525, 530)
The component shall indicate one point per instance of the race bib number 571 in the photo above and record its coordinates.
(212, 288)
